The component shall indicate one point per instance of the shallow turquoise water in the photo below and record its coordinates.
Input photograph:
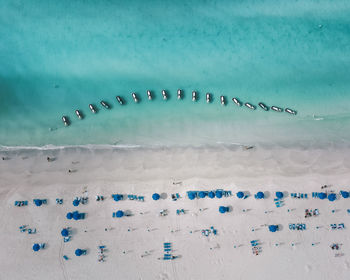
(58, 57)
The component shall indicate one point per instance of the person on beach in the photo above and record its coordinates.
(48, 159)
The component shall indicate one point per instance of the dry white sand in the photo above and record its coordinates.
(27, 174)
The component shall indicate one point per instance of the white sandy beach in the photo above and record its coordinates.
(26, 175)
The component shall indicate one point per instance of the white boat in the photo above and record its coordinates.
(236, 101)
(207, 97)
(164, 94)
(149, 94)
(135, 97)
(263, 106)
(222, 100)
(290, 111)
(105, 104)
(250, 106)
(65, 120)
(179, 94)
(79, 115)
(194, 96)
(92, 108)
(276, 109)
(119, 99)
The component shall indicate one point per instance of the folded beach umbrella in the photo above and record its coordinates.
(218, 194)
(78, 252)
(223, 209)
(191, 195)
(273, 228)
(155, 196)
(36, 247)
(76, 215)
(202, 194)
(332, 197)
(76, 202)
(69, 216)
(344, 194)
(38, 202)
(279, 195)
(119, 214)
(260, 195)
(64, 232)
(322, 195)
(240, 194)
(211, 194)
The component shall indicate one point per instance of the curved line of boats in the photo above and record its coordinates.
(208, 98)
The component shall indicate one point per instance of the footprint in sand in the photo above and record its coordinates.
(308, 268)
(163, 276)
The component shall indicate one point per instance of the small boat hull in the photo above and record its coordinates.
(207, 97)
(290, 111)
(250, 106)
(65, 121)
(165, 97)
(263, 106)
(276, 109)
(237, 102)
(92, 108)
(135, 97)
(194, 96)
(105, 104)
(79, 114)
(179, 94)
(222, 100)
(120, 100)
(149, 95)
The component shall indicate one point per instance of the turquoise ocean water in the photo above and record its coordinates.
(58, 56)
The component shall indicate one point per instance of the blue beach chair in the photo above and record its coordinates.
(167, 249)
(305, 195)
(65, 257)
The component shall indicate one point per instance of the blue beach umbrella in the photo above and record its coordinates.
(211, 194)
(260, 195)
(155, 196)
(202, 194)
(76, 202)
(322, 195)
(218, 194)
(64, 232)
(222, 209)
(332, 197)
(78, 252)
(117, 197)
(36, 247)
(76, 215)
(191, 195)
(119, 214)
(279, 195)
(273, 228)
(344, 194)
(240, 194)
(38, 202)
(69, 216)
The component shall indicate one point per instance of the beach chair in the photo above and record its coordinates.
(25, 202)
(303, 226)
(214, 231)
(294, 226)
(177, 212)
(42, 246)
(348, 210)
(65, 257)
(113, 215)
(341, 226)
(177, 195)
(130, 197)
(167, 257)
(16, 203)
(44, 201)
(167, 249)
(301, 195)
(333, 226)
(82, 216)
(135, 197)
(141, 198)
(290, 227)
(305, 195)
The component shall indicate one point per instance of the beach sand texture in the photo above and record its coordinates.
(26, 175)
